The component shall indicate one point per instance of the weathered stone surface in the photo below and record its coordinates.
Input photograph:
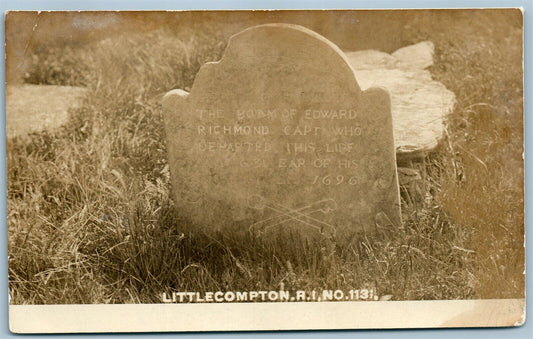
(416, 57)
(277, 135)
(419, 104)
(31, 108)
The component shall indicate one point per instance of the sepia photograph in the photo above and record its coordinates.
(236, 163)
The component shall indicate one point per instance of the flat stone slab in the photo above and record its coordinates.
(419, 103)
(278, 136)
(31, 108)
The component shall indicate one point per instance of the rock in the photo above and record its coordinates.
(411, 185)
(278, 136)
(415, 57)
(419, 104)
(408, 175)
(31, 108)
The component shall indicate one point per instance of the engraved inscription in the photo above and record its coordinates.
(295, 126)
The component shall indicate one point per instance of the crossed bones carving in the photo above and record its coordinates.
(285, 214)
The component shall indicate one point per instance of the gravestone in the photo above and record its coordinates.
(278, 135)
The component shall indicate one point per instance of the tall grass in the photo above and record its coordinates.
(484, 183)
(90, 219)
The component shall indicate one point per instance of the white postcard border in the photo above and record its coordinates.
(265, 316)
